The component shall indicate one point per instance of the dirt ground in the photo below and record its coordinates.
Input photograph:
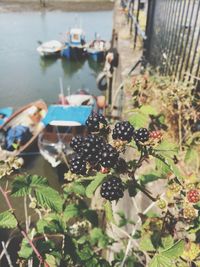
(63, 5)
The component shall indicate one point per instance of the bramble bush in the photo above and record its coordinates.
(108, 162)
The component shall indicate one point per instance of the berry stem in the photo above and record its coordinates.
(25, 235)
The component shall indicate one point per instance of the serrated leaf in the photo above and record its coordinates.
(23, 184)
(148, 110)
(98, 237)
(47, 197)
(175, 251)
(7, 220)
(109, 212)
(94, 184)
(139, 120)
(72, 210)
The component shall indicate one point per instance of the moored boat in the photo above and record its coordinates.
(97, 49)
(50, 48)
(75, 45)
(62, 123)
(22, 128)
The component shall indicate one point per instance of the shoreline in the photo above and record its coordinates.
(61, 5)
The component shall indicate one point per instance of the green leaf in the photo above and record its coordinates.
(167, 149)
(23, 184)
(146, 244)
(174, 251)
(48, 198)
(139, 120)
(109, 212)
(52, 261)
(148, 110)
(7, 220)
(147, 178)
(167, 241)
(25, 250)
(72, 210)
(51, 223)
(94, 184)
(192, 157)
(160, 261)
(98, 237)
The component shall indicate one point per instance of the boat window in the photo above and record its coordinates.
(80, 129)
(64, 129)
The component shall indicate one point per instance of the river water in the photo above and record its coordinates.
(25, 77)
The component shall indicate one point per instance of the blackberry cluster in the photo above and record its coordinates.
(123, 131)
(91, 147)
(76, 143)
(108, 156)
(112, 189)
(141, 135)
(78, 165)
(93, 122)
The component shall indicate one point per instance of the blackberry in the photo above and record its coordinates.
(94, 122)
(108, 156)
(123, 131)
(112, 189)
(76, 143)
(91, 147)
(78, 165)
(141, 135)
(121, 166)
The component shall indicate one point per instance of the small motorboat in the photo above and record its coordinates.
(97, 49)
(22, 128)
(62, 123)
(5, 113)
(74, 45)
(51, 48)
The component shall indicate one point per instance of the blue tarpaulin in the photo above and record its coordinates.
(18, 133)
(6, 112)
(77, 114)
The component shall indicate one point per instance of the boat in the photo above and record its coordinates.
(5, 113)
(97, 49)
(62, 123)
(50, 48)
(22, 129)
(75, 45)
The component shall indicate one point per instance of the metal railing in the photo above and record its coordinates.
(173, 38)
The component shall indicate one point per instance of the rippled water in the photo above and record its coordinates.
(24, 76)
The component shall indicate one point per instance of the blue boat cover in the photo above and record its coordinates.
(67, 113)
(6, 112)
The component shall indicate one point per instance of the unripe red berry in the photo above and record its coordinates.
(193, 196)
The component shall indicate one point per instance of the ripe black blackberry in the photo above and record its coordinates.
(78, 165)
(76, 143)
(123, 131)
(108, 156)
(91, 147)
(141, 135)
(121, 166)
(112, 189)
(93, 122)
